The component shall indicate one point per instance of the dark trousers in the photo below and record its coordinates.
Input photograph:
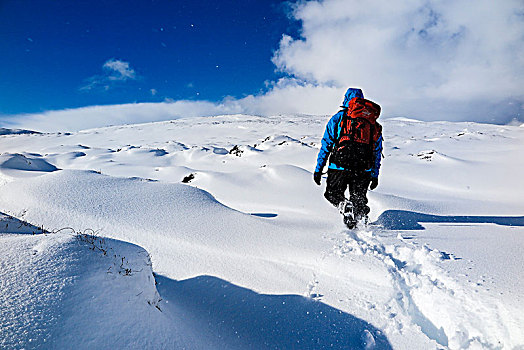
(357, 182)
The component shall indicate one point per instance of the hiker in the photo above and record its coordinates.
(353, 143)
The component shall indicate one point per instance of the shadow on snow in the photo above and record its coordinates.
(10, 224)
(265, 215)
(236, 317)
(409, 220)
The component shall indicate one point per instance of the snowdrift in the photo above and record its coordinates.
(65, 288)
(245, 250)
(186, 230)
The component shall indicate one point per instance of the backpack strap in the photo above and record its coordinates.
(339, 127)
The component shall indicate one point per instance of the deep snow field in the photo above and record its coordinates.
(209, 233)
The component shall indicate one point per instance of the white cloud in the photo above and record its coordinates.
(289, 96)
(98, 116)
(113, 71)
(119, 70)
(454, 60)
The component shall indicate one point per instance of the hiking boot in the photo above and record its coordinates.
(346, 209)
(350, 222)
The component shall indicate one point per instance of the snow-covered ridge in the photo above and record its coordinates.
(247, 252)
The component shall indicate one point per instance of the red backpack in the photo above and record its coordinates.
(358, 132)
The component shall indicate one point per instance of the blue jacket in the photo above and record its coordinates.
(332, 134)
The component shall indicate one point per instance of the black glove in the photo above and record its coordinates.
(374, 183)
(317, 176)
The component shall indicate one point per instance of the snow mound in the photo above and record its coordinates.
(280, 140)
(25, 163)
(65, 288)
(185, 229)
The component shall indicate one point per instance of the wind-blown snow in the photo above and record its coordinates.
(246, 251)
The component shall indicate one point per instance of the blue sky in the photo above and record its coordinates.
(54, 51)
(427, 60)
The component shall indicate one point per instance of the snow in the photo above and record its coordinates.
(66, 288)
(246, 252)
(5, 131)
(21, 162)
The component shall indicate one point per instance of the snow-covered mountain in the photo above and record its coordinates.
(209, 233)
